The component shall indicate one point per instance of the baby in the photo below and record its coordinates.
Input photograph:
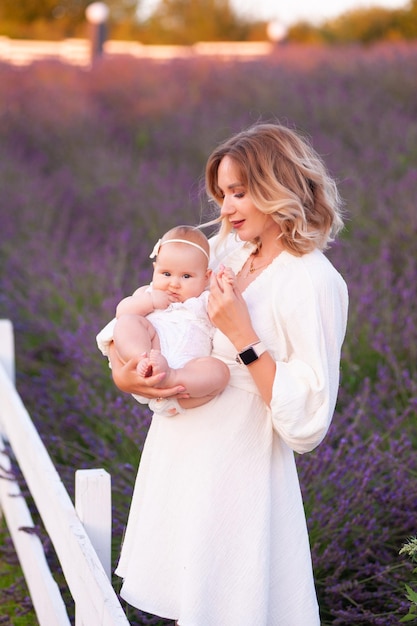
(166, 324)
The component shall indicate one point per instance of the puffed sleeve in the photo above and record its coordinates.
(105, 337)
(310, 314)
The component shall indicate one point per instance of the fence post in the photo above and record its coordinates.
(46, 597)
(7, 348)
(7, 358)
(93, 506)
(44, 591)
(86, 569)
(97, 14)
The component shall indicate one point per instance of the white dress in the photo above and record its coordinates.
(216, 534)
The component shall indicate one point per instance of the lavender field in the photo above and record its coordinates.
(95, 165)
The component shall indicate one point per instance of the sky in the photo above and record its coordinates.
(290, 11)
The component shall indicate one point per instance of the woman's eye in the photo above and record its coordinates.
(240, 195)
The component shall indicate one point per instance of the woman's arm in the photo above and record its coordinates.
(228, 312)
(299, 377)
(312, 319)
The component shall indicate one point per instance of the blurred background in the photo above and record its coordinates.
(184, 22)
(98, 159)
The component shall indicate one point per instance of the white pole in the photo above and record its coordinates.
(93, 506)
(7, 358)
(97, 14)
(7, 348)
(45, 594)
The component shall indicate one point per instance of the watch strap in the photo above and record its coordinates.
(251, 353)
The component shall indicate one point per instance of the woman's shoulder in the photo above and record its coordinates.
(311, 275)
(313, 264)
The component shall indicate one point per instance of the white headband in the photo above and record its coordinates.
(160, 243)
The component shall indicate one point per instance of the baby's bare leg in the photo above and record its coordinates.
(133, 336)
(203, 378)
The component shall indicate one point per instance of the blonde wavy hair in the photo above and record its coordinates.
(285, 178)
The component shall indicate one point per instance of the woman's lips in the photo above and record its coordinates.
(236, 225)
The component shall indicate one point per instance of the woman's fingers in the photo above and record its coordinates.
(127, 379)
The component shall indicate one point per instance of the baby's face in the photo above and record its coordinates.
(181, 270)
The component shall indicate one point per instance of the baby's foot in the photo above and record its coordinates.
(159, 364)
(166, 407)
(144, 368)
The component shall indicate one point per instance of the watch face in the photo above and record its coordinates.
(248, 356)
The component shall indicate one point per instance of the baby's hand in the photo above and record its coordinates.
(161, 299)
(228, 275)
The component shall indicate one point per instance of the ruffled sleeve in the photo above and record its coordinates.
(105, 337)
(310, 312)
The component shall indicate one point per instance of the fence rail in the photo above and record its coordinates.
(81, 536)
(78, 51)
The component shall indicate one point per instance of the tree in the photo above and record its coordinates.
(187, 21)
(363, 25)
(305, 33)
(28, 11)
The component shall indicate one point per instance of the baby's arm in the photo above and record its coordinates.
(143, 301)
(140, 303)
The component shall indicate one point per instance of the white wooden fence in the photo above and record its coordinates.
(81, 535)
(77, 51)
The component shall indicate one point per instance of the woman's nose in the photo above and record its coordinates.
(227, 206)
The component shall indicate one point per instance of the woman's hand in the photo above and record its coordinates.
(227, 309)
(127, 379)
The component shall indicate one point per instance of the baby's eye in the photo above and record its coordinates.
(187, 276)
(166, 273)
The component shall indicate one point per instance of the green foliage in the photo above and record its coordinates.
(54, 19)
(183, 22)
(16, 607)
(410, 549)
(27, 10)
(365, 25)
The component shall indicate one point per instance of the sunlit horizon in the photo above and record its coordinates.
(295, 11)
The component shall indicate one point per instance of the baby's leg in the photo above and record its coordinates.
(133, 336)
(203, 378)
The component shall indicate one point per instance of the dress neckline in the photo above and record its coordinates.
(248, 250)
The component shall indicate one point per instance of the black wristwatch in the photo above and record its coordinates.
(251, 353)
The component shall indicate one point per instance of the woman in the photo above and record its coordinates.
(217, 533)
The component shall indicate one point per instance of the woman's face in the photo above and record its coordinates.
(238, 208)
